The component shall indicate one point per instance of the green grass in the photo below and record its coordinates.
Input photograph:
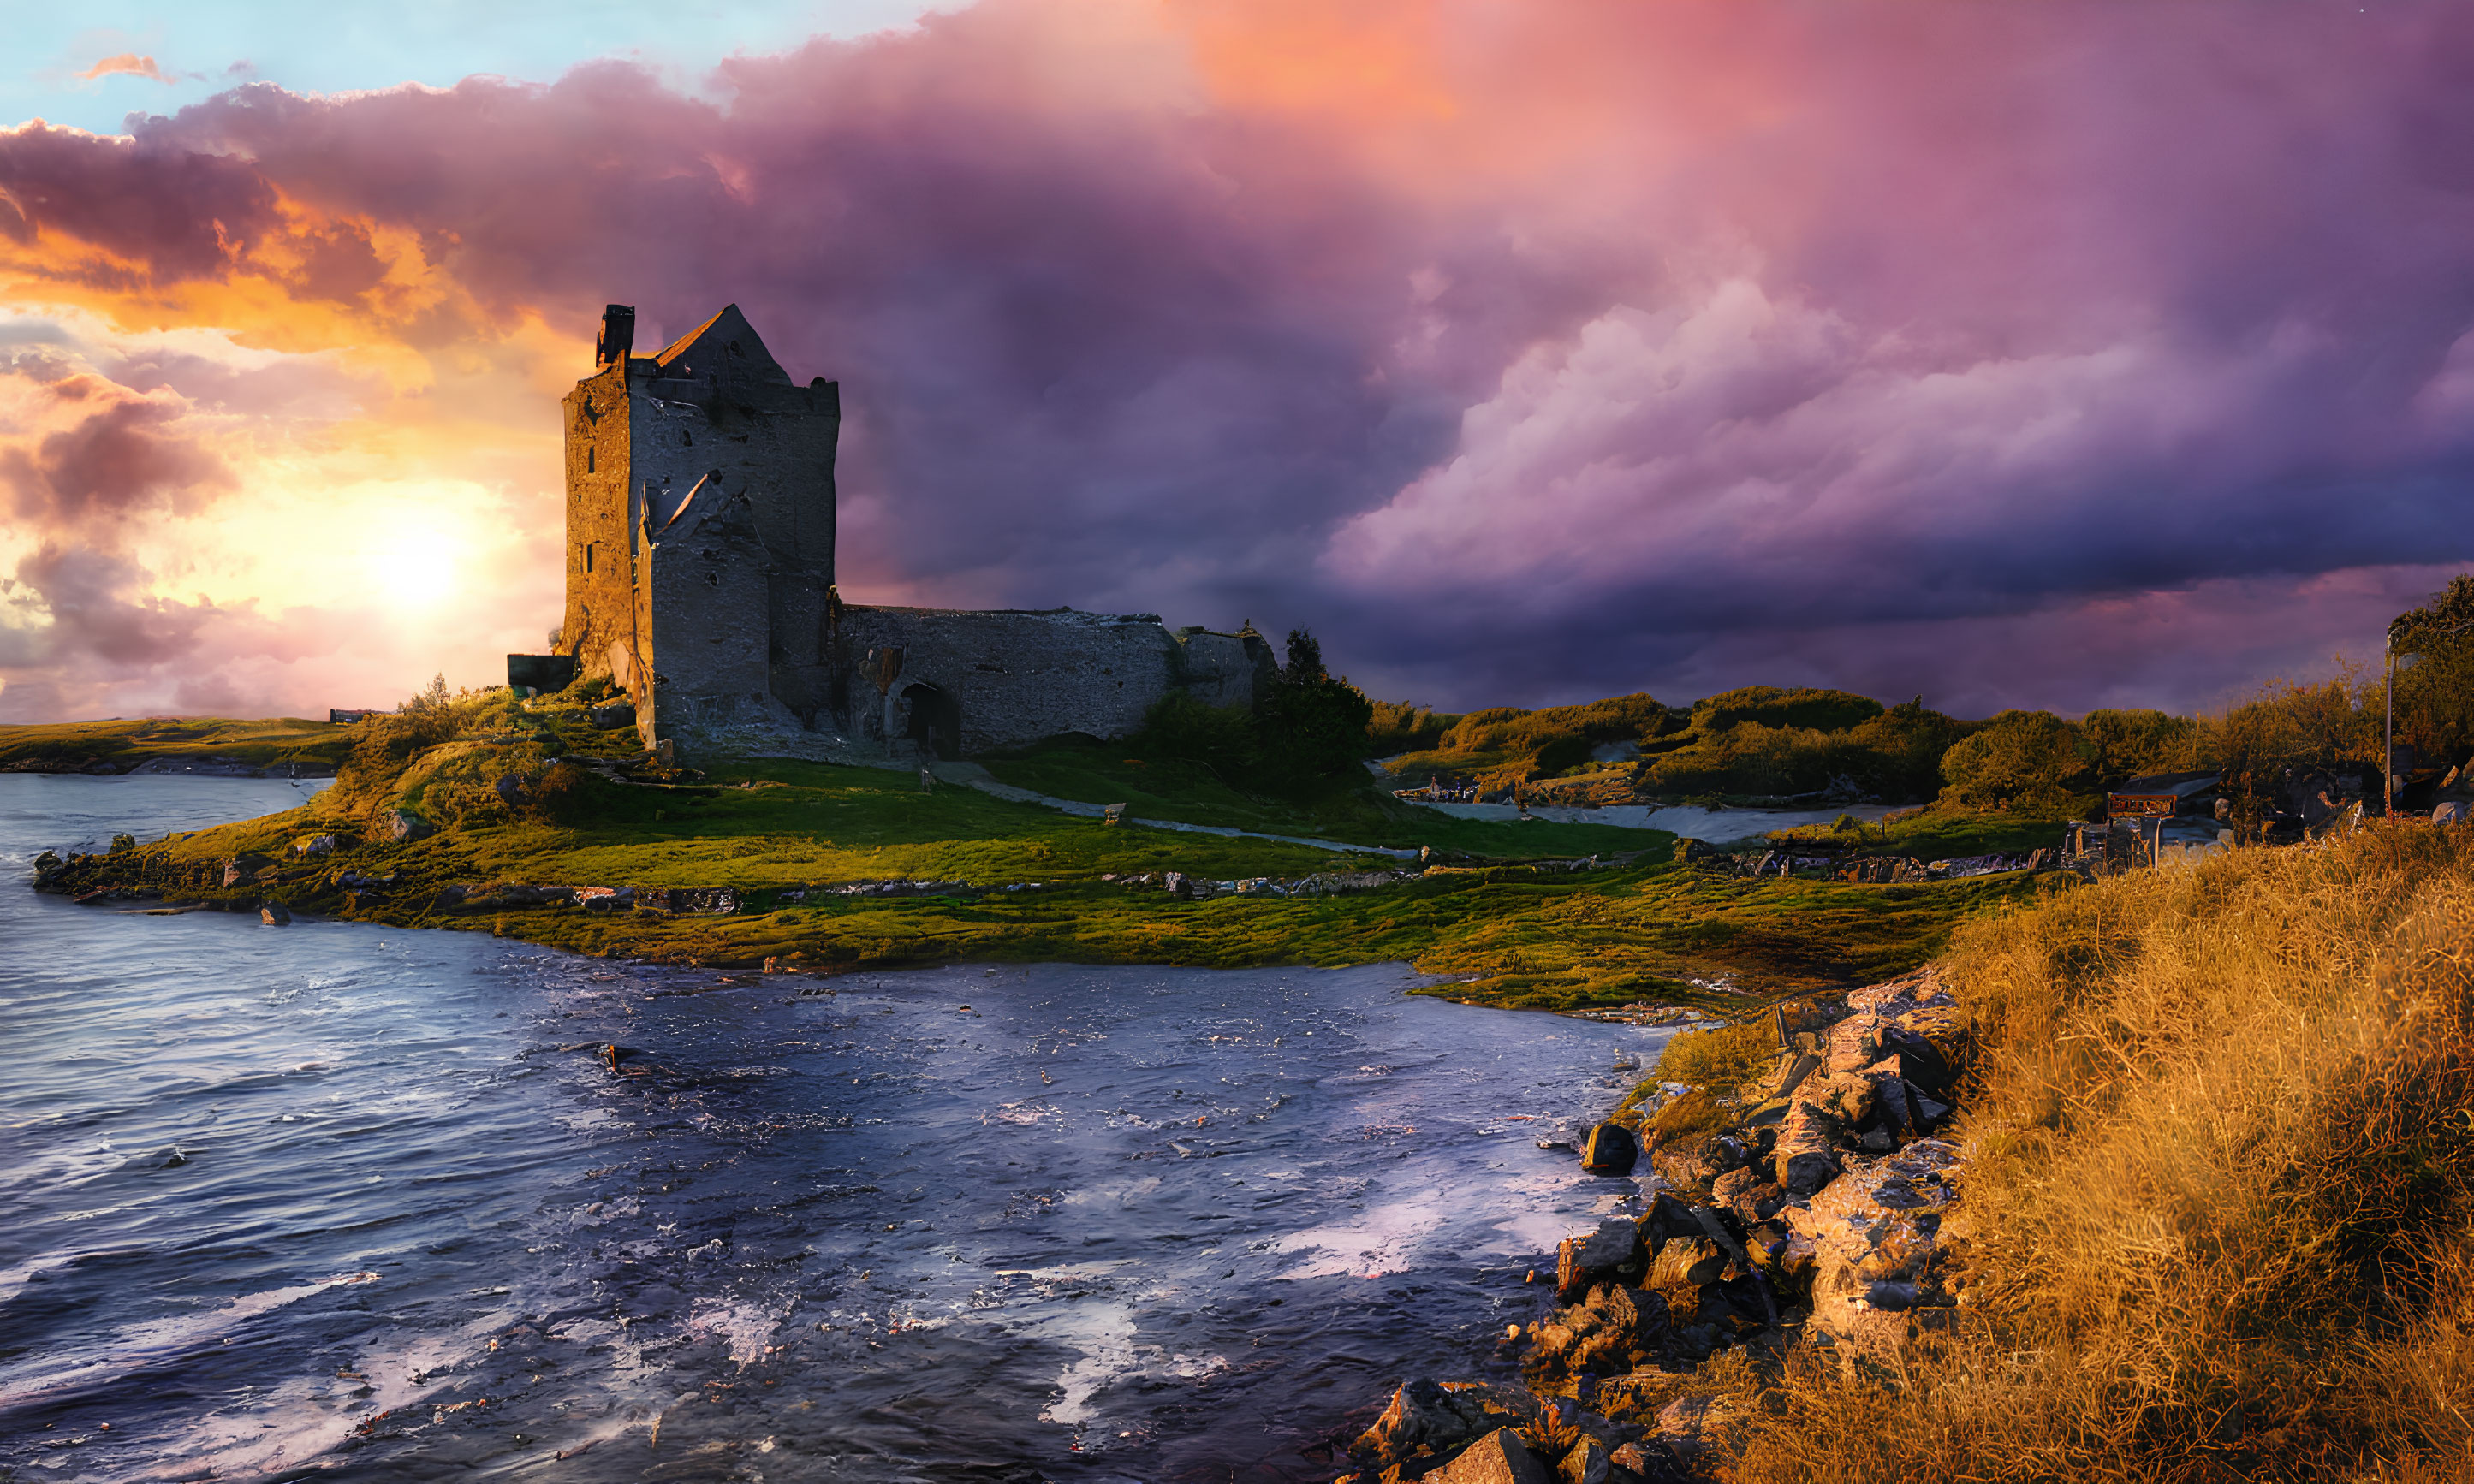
(1507, 932)
(1940, 831)
(1357, 813)
(61, 746)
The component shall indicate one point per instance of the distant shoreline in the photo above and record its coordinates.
(178, 767)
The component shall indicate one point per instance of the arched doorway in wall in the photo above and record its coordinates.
(934, 720)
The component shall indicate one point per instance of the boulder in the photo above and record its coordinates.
(1499, 1457)
(1586, 1464)
(1880, 1274)
(1697, 1426)
(1684, 1264)
(2451, 812)
(611, 715)
(404, 825)
(1848, 1097)
(511, 789)
(1584, 1262)
(314, 844)
(1806, 1157)
(1610, 1150)
(273, 915)
(244, 867)
(1420, 1418)
(1605, 1333)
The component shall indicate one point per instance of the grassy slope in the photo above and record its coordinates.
(1524, 936)
(126, 744)
(1191, 794)
(2220, 1190)
(1939, 832)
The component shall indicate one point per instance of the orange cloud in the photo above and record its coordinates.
(129, 62)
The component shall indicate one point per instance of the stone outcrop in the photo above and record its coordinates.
(1822, 1212)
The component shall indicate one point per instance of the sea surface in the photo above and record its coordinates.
(350, 1202)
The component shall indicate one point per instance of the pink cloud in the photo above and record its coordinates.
(1560, 349)
(127, 63)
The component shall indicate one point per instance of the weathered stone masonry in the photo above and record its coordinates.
(700, 579)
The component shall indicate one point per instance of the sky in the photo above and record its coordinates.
(2063, 355)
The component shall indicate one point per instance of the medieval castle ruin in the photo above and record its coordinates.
(700, 580)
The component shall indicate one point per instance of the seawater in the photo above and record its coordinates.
(368, 1203)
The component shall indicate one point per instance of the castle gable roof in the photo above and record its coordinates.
(725, 346)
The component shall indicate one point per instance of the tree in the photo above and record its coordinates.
(1313, 725)
(2434, 691)
(432, 697)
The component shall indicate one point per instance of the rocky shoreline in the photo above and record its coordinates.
(1819, 1211)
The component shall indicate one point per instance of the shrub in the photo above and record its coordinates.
(1398, 727)
(1722, 1061)
(2120, 745)
(1804, 708)
(2026, 760)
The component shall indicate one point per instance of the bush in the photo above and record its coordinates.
(1803, 707)
(1398, 727)
(1179, 728)
(2123, 745)
(2023, 760)
(1722, 1061)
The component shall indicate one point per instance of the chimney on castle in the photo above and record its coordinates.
(618, 334)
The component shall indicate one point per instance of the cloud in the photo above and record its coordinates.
(122, 455)
(1525, 351)
(125, 62)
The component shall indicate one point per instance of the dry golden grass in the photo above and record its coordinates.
(2222, 1140)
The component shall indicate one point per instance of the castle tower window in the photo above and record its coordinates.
(587, 553)
(588, 459)
(687, 439)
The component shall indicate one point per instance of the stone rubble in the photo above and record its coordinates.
(1818, 1214)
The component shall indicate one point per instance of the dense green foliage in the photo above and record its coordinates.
(1307, 730)
(1802, 708)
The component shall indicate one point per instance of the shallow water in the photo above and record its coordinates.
(370, 1201)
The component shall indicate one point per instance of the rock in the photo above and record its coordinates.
(511, 789)
(1586, 1464)
(1420, 1416)
(314, 844)
(1848, 1097)
(1733, 1183)
(1497, 1458)
(123, 844)
(273, 915)
(1610, 1150)
(1605, 1333)
(1644, 1460)
(1695, 1426)
(1690, 851)
(611, 715)
(1582, 1262)
(1793, 1067)
(1806, 1157)
(1880, 1271)
(244, 867)
(2453, 812)
(404, 824)
(1684, 1264)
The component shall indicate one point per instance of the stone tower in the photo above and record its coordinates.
(700, 527)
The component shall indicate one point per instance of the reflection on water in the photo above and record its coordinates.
(372, 1199)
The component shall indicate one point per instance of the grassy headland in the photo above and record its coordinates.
(2219, 1202)
(1505, 913)
(120, 746)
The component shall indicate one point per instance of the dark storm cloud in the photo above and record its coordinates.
(1558, 349)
